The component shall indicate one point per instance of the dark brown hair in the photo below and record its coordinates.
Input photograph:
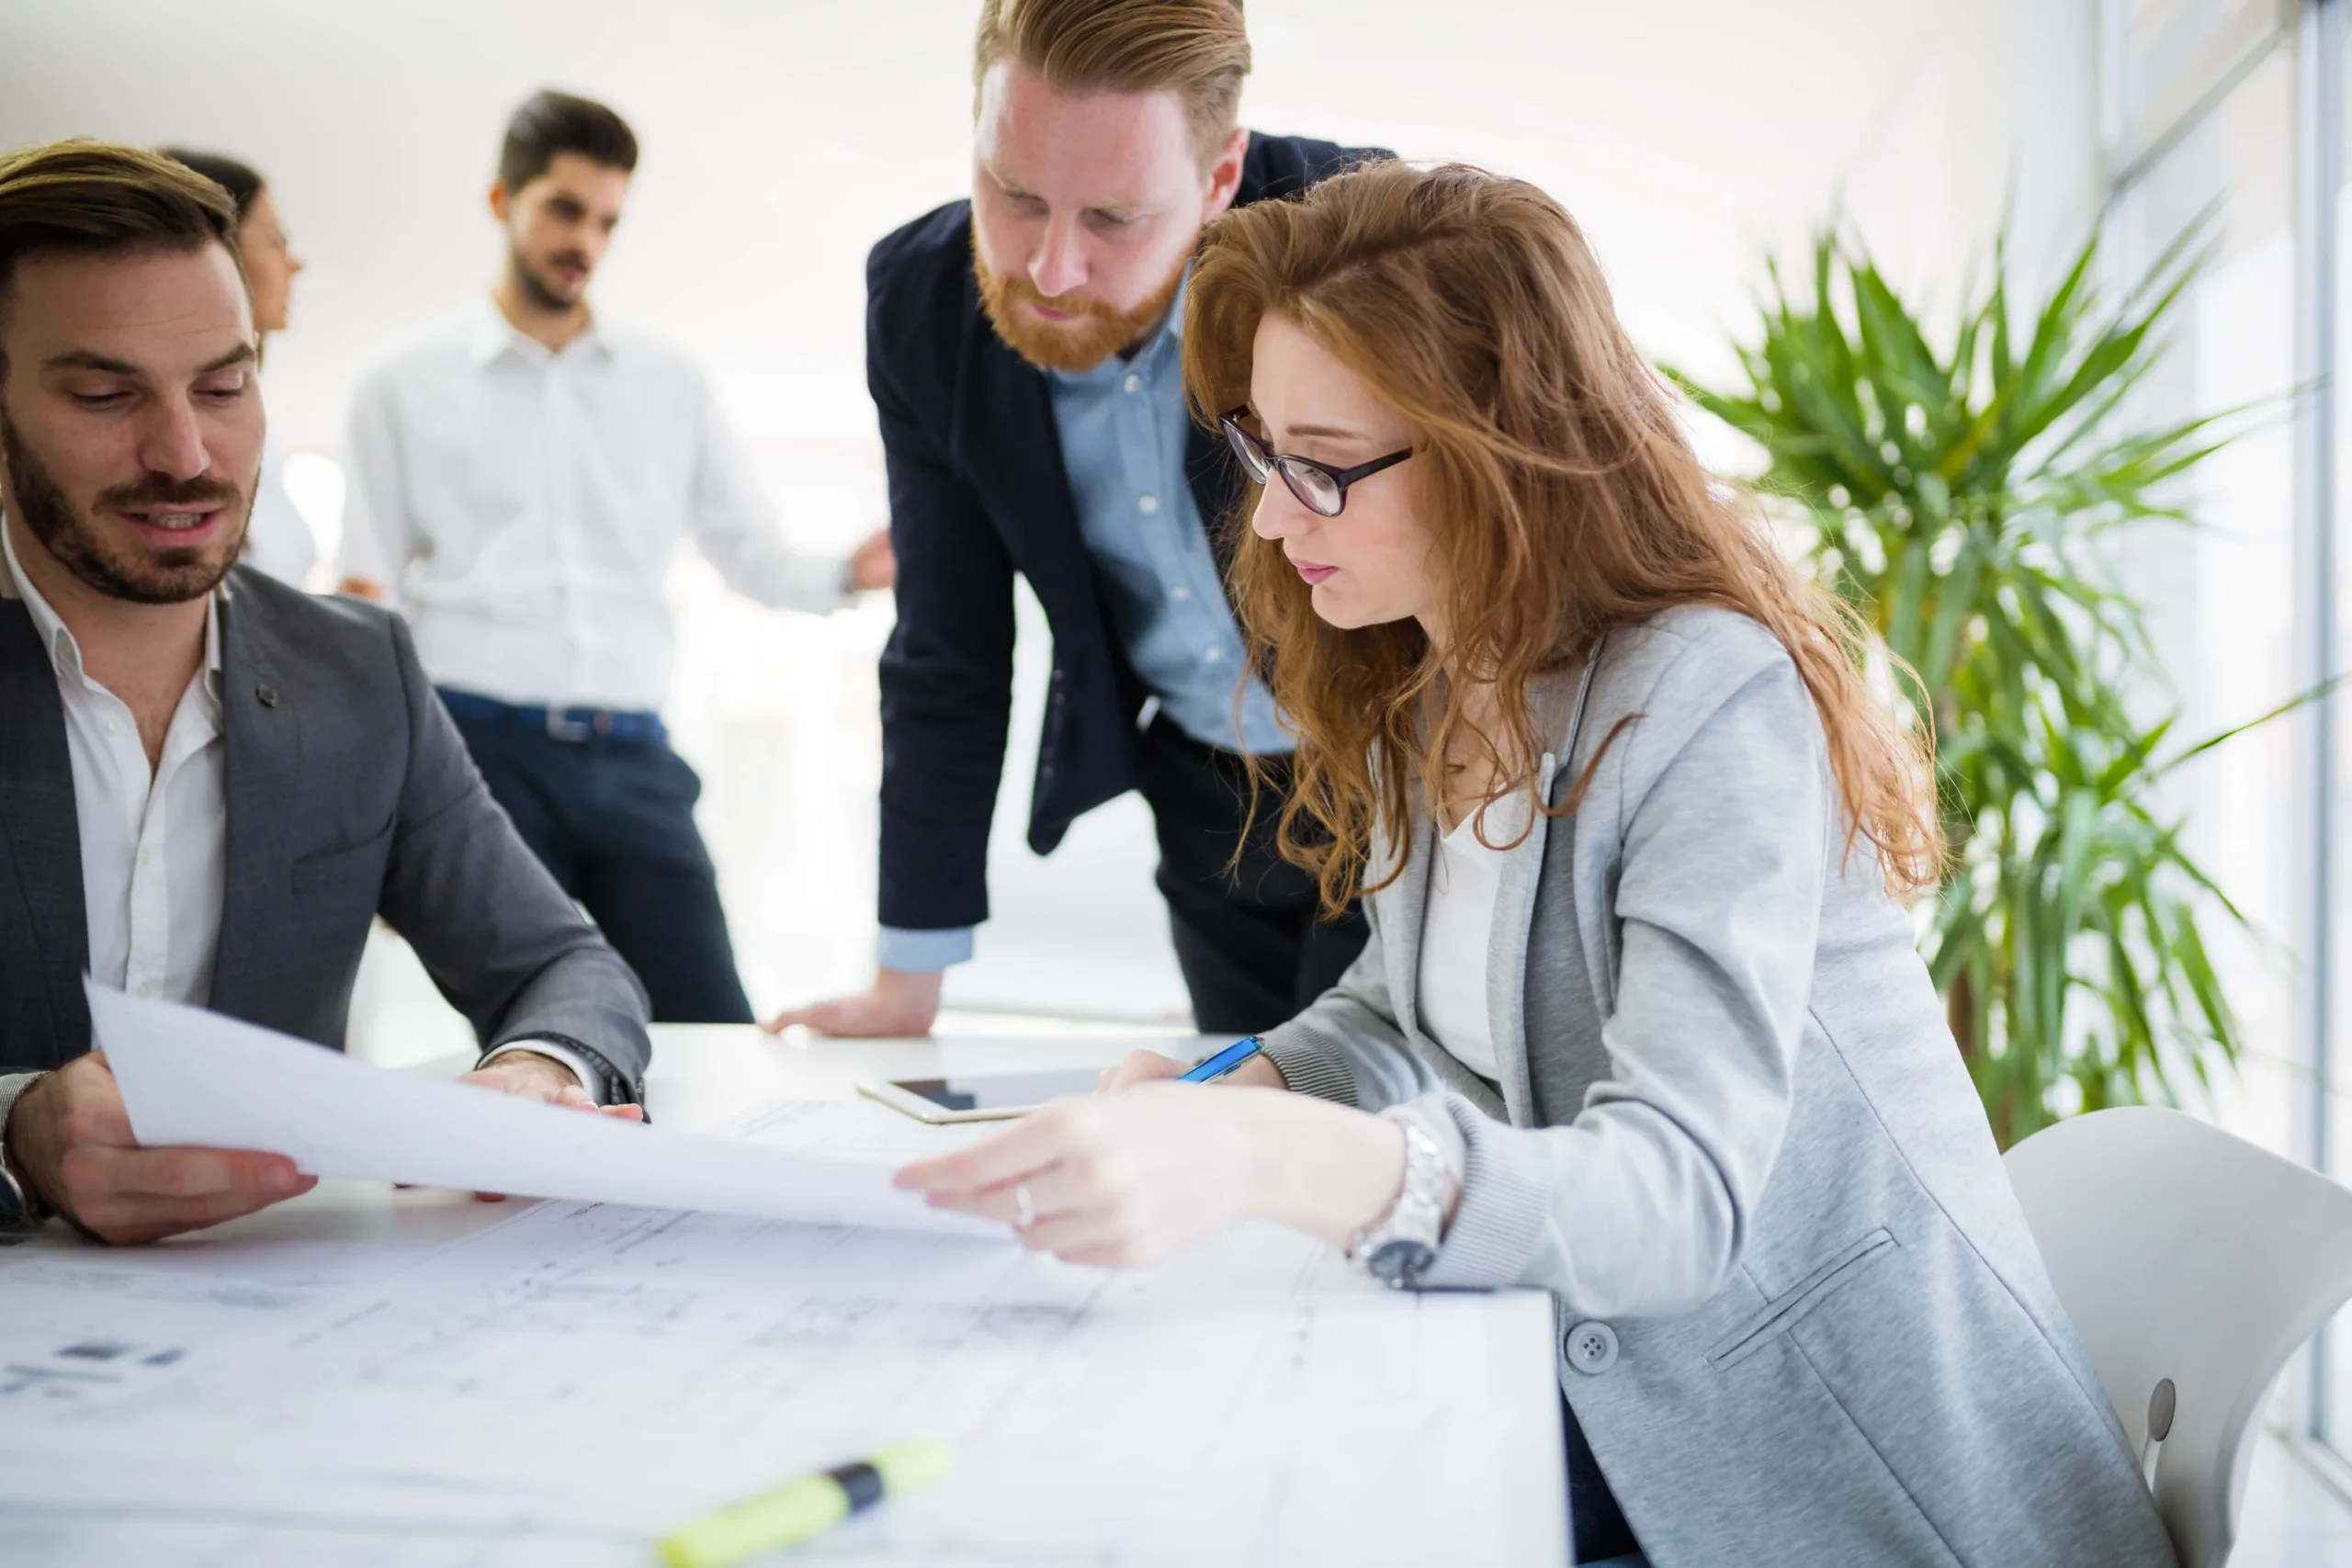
(240, 179)
(551, 122)
(1559, 493)
(98, 196)
(1198, 49)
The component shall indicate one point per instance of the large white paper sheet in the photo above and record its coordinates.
(192, 1077)
(557, 1390)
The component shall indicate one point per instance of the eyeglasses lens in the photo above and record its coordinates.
(1254, 457)
(1315, 489)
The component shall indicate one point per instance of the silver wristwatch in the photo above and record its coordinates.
(20, 1208)
(1399, 1248)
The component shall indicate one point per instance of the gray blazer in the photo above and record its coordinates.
(1802, 1319)
(349, 794)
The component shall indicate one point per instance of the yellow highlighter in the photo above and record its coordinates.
(798, 1509)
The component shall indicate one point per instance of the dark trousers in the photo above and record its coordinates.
(614, 820)
(1596, 1524)
(1248, 935)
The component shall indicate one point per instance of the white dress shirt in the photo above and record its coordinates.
(1457, 925)
(522, 506)
(154, 841)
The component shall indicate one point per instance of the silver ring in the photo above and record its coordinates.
(1024, 1209)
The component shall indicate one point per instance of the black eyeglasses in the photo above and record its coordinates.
(1320, 487)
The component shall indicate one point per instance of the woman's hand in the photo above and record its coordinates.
(1138, 1067)
(1127, 1180)
(1150, 1066)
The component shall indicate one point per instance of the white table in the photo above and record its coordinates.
(1253, 1401)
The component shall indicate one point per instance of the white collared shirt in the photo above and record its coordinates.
(524, 506)
(154, 840)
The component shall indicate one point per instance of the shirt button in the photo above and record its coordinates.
(146, 857)
(113, 728)
(1179, 592)
(1215, 656)
(1147, 504)
(146, 987)
(1134, 383)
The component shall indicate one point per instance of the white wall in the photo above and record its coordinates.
(781, 138)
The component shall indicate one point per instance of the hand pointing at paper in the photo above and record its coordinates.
(69, 1138)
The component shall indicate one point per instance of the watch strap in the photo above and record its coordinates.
(1416, 1215)
(30, 1211)
(612, 1087)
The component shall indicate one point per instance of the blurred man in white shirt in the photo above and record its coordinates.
(522, 473)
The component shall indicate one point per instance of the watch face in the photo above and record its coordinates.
(12, 1203)
(1399, 1262)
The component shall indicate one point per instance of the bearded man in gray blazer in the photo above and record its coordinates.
(210, 784)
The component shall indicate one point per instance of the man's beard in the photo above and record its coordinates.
(536, 289)
(160, 576)
(1099, 331)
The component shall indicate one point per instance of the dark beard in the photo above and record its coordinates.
(534, 288)
(167, 576)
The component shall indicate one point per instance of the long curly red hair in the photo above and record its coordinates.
(1557, 483)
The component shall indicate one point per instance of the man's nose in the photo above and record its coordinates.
(172, 441)
(1060, 265)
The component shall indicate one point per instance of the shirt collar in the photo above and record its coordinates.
(490, 334)
(64, 653)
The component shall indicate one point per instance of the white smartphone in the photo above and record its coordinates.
(978, 1097)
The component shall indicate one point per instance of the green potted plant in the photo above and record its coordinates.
(1957, 497)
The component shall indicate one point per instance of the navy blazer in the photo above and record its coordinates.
(349, 796)
(977, 493)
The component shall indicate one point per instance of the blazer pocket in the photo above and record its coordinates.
(1782, 1313)
(330, 866)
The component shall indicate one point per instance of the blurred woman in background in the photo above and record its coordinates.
(277, 540)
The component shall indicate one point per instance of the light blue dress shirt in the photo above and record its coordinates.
(1123, 427)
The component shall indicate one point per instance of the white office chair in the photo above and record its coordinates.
(2193, 1264)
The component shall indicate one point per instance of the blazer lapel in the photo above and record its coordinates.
(1515, 910)
(1404, 905)
(261, 736)
(1005, 441)
(1506, 954)
(40, 835)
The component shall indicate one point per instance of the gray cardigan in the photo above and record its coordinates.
(1803, 1320)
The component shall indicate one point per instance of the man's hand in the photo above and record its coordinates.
(902, 1004)
(529, 1076)
(871, 565)
(71, 1137)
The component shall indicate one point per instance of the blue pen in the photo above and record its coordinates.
(1224, 1061)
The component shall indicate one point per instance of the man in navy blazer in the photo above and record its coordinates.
(1024, 351)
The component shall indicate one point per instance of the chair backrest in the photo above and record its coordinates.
(2193, 1265)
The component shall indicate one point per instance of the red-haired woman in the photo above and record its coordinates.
(1642, 1021)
